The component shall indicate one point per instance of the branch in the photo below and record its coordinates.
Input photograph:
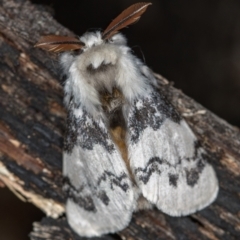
(32, 120)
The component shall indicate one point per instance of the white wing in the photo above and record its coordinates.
(98, 188)
(166, 159)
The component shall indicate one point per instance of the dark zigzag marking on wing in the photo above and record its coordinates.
(114, 180)
(151, 167)
(192, 174)
(173, 179)
(86, 201)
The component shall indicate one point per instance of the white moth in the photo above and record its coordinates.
(126, 147)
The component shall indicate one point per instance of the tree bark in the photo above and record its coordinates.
(32, 123)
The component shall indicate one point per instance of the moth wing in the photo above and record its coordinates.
(98, 188)
(168, 163)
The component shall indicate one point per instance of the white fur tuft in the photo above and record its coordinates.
(124, 71)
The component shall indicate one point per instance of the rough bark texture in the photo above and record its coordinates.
(32, 121)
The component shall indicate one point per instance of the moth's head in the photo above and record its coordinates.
(97, 54)
(97, 60)
(92, 39)
(129, 16)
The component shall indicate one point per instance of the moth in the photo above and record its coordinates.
(126, 147)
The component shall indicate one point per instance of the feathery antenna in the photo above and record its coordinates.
(53, 43)
(127, 17)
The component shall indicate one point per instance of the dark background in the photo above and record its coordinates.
(194, 43)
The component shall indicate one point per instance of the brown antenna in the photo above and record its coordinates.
(54, 43)
(127, 17)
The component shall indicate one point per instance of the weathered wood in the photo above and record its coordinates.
(32, 121)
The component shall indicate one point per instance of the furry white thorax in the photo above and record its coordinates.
(86, 76)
